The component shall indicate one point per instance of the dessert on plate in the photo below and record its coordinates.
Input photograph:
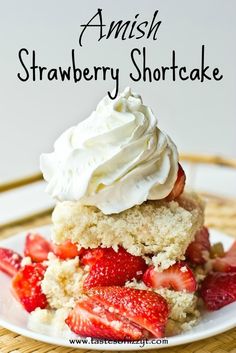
(129, 257)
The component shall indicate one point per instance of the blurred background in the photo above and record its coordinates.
(200, 117)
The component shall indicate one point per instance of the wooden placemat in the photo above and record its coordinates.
(220, 214)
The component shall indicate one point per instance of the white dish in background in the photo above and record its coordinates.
(14, 318)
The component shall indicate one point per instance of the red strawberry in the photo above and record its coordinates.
(90, 318)
(199, 248)
(10, 261)
(143, 308)
(227, 263)
(218, 289)
(67, 250)
(91, 256)
(178, 277)
(113, 268)
(179, 185)
(37, 247)
(26, 286)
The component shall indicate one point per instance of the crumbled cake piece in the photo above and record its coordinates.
(182, 304)
(174, 327)
(49, 321)
(62, 283)
(155, 227)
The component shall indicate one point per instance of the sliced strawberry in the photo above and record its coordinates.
(37, 247)
(218, 289)
(113, 268)
(26, 286)
(178, 277)
(10, 261)
(67, 250)
(179, 185)
(90, 318)
(227, 263)
(91, 256)
(198, 250)
(143, 308)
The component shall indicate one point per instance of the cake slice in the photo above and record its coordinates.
(158, 228)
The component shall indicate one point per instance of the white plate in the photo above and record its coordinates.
(14, 318)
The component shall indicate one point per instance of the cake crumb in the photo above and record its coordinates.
(62, 283)
(26, 261)
(50, 322)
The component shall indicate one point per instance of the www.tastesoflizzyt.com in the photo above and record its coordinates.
(141, 343)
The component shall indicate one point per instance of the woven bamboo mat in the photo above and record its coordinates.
(220, 214)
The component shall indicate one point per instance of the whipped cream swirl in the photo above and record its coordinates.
(115, 159)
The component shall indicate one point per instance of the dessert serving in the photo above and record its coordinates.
(130, 257)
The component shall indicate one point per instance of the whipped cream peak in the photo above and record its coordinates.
(115, 159)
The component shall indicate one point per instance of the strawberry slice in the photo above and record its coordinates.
(178, 277)
(143, 308)
(26, 286)
(218, 289)
(37, 247)
(91, 256)
(90, 318)
(178, 186)
(10, 261)
(67, 250)
(198, 250)
(111, 268)
(227, 263)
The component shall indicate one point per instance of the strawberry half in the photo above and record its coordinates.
(90, 318)
(10, 261)
(197, 251)
(26, 286)
(113, 268)
(37, 247)
(67, 250)
(141, 307)
(178, 186)
(178, 277)
(227, 263)
(218, 289)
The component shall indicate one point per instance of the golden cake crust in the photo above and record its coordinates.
(163, 229)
